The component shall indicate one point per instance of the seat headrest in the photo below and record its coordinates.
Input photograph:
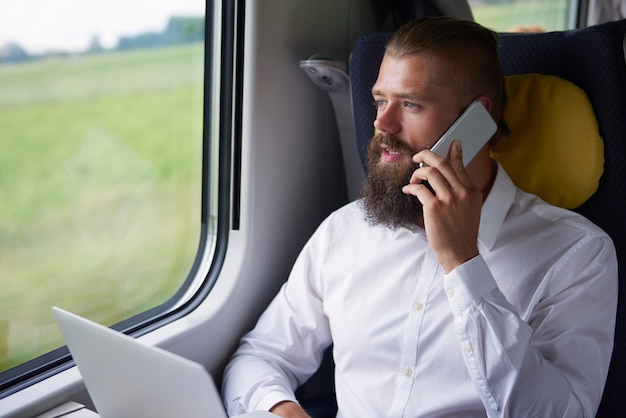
(554, 149)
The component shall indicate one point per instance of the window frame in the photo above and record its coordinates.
(221, 134)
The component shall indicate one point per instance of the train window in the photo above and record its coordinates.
(522, 15)
(101, 162)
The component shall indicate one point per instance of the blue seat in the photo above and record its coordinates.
(592, 58)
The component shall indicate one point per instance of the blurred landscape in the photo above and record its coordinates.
(100, 183)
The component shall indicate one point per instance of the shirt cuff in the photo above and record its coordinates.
(272, 398)
(469, 281)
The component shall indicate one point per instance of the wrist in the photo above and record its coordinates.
(289, 409)
(453, 261)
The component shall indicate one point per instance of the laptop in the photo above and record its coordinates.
(128, 378)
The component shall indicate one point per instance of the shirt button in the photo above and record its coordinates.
(450, 292)
(467, 348)
(418, 306)
(407, 372)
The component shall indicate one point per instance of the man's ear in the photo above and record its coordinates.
(485, 101)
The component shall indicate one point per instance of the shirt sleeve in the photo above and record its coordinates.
(555, 362)
(284, 349)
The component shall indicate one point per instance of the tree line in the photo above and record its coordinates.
(179, 30)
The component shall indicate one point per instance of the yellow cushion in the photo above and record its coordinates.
(555, 150)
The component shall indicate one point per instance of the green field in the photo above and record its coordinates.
(100, 168)
(502, 16)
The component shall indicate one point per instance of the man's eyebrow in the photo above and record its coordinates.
(409, 96)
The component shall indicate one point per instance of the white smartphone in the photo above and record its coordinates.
(473, 128)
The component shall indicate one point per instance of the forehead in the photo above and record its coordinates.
(411, 74)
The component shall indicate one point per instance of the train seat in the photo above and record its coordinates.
(592, 58)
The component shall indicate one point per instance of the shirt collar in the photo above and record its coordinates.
(495, 208)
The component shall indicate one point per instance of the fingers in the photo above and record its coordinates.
(452, 214)
(452, 169)
(456, 161)
(446, 179)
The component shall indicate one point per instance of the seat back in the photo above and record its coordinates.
(592, 58)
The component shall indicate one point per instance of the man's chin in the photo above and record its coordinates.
(385, 204)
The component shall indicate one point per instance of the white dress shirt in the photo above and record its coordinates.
(525, 329)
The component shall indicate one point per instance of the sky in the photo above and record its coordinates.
(70, 25)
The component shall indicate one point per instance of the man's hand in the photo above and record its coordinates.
(288, 409)
(452, 214)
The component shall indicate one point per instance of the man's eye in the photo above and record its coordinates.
(410, 105)
(379, 103)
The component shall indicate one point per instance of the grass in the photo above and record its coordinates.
(100, 168)
(503, 16)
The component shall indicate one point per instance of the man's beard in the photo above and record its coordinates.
(383, 200)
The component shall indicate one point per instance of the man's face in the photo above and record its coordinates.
(416, 101)
(415, 106)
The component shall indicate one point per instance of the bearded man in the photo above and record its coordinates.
(445, 290)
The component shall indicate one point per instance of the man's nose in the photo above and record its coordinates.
(387, 120)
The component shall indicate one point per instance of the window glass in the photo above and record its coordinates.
(101, 119)
(518, 15)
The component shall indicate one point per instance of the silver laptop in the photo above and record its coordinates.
(127, 378)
